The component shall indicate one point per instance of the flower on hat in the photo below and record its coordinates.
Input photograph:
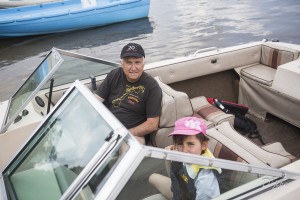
(193, 124)
(189, 126)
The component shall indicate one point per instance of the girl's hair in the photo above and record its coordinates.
(178, 139)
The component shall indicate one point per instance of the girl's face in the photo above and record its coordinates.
(191, 144)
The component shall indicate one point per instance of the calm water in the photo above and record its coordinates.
(174, 28)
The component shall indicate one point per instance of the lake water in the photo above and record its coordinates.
(174, 28)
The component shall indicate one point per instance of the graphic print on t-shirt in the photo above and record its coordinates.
(131, 95)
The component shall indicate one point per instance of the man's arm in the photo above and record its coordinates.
(150, 125)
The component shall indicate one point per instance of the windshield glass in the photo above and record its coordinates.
(77, 67)
(58, 152)
(103, 173)
(31, 84)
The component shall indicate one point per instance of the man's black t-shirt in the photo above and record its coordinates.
(131, 103)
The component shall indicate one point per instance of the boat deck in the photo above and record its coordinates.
(277, 130)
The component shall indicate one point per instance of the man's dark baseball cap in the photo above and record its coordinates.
(132, 50)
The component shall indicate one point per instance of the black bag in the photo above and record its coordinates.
(241, 122)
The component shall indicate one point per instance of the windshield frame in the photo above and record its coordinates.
(8, 121)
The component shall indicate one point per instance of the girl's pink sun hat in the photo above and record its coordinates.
(189, 126)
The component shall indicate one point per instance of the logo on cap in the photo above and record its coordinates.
(132, 50)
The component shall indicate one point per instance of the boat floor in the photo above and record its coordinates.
(274, 129)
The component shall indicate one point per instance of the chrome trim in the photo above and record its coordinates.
(3, 195)
(5, 105)
(216, 162)
(205, 50)
(79, 181)
(89, 58)
(123, 171)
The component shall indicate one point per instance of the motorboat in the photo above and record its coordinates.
(16, 3)
(61, 16)
(59, 142)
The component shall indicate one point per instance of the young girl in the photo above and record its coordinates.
(190, 181)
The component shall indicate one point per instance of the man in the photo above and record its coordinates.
(132, 95)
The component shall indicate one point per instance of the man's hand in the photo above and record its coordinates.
(170, 147)
(149, 126)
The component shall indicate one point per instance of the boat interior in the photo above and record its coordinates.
(261, 75)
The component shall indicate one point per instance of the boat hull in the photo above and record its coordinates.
(14, 3)
(73, 19)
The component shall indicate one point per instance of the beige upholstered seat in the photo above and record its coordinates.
(260, 73)
(271, 58)
(175, 105)
(209, 112)
(266, 86)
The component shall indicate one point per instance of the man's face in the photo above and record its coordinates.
(133, 68)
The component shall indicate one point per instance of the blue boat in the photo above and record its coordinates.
(68, 16)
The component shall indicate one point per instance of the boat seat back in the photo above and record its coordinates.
(274, 56)
(209, 112)
(271, 57)
(175, 105)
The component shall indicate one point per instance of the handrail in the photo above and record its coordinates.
(221, 163)
(205, 50)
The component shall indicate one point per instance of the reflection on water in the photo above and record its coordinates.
(173, 29)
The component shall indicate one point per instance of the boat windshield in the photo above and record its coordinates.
(59, 151)
(32, 84)
(79, 67)
(63, 67)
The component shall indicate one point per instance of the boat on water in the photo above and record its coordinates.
(71, 15)
(16, 3)
(58, 141)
